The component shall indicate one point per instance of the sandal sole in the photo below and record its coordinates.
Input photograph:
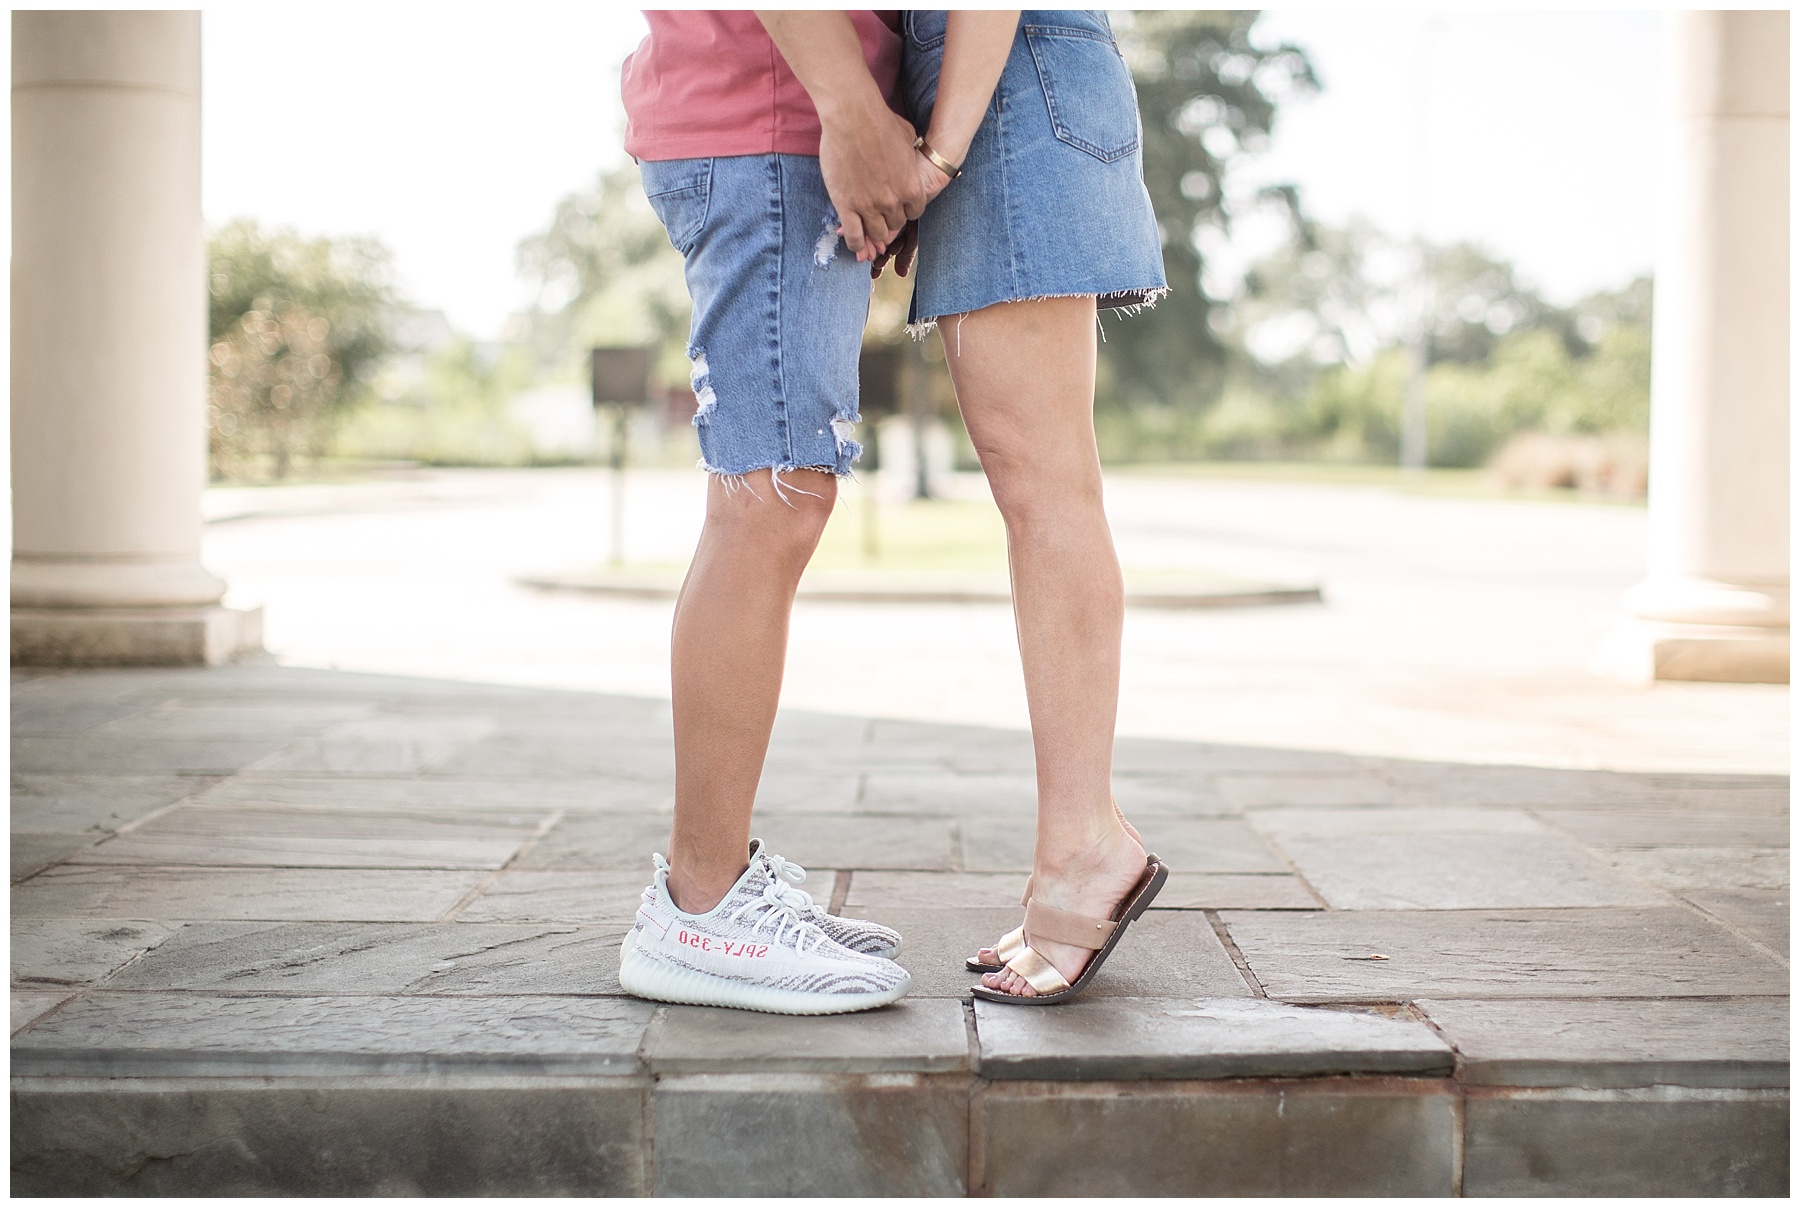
(1156, 873)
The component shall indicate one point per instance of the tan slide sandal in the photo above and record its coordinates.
(1013, 942)
(1067, 927)
(1007, 946)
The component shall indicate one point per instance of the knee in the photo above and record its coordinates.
(783, 520)
(1033, 486)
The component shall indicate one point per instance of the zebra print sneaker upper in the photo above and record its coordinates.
(858, 935)
(752, 950)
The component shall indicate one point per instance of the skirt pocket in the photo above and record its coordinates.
(1088, 89)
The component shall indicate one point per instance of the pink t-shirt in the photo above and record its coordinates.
(710, 82)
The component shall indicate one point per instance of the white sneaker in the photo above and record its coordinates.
(752, 950)
(858, 935)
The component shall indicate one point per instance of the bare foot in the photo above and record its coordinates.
(1093, 883)
(988, 956)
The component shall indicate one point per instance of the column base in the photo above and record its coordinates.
(1644, 651)
(133, 637)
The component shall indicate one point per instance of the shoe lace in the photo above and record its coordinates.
(776, 912)
(787, 876)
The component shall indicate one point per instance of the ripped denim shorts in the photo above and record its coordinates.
(779, 310)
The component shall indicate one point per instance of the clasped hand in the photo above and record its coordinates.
(878, 184)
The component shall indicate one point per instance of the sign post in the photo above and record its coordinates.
(621, 380)
(879, 374)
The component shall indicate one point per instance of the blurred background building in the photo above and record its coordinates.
(1296, 332)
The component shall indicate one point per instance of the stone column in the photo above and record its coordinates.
(1715, 603)
(109, 345)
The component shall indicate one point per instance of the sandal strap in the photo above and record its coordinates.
(1066, 927)
(1039, 973)
(1025, 898)
(1010, 944)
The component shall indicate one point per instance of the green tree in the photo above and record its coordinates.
(1206, 94)
(606, 276)
(297, 328)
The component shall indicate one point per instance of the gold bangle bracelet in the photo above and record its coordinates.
(937, 161)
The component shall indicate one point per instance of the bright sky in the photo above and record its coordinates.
(449, 132)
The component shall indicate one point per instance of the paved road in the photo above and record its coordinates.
(1453, 629)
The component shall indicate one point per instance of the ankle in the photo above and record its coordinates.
(697, 895)
(1077, 854)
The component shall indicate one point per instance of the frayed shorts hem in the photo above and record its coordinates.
(1126, 302)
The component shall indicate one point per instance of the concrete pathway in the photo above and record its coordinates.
(288, 930)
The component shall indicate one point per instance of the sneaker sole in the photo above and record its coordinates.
(646, 979)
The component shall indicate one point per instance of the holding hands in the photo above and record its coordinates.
(877, 180)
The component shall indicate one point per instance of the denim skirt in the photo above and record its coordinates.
(1051, 200)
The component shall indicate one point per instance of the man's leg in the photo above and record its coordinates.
(1024, 375)
(729, 651)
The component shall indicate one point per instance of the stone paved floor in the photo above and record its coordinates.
(302, 930)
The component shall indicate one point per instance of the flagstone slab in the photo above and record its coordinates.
(1725, 792)
(430, 793)
(385, 743)
(783, 791)
(34, 851)
(1183, 891)
(1620, 953)
(1458, 872)
(876, 889)
(915, 1035)
(40, 715)
(316, 838)
(116, 1034)
(947, 792)
(856, 840)
(1740, 1042)
(599, 753)
(1377, 820)
(973, 749)
(1157, 756)
(30, 1005)
(596, 841)
(1235, 891)
(92, 754)
(324, 894)
(1760, 913)
(78, 952)
(1659, 828)
(76, 801)
(1165, 954)
(559, 897)
(1209, 845)
(239, 721)
(382, 958)
(1179, 797)
(1522, 787)
(1684, 868)
(1273, 791)
(1127, 1038)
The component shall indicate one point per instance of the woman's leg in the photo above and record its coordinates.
(728, 652)
(1024, 376)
